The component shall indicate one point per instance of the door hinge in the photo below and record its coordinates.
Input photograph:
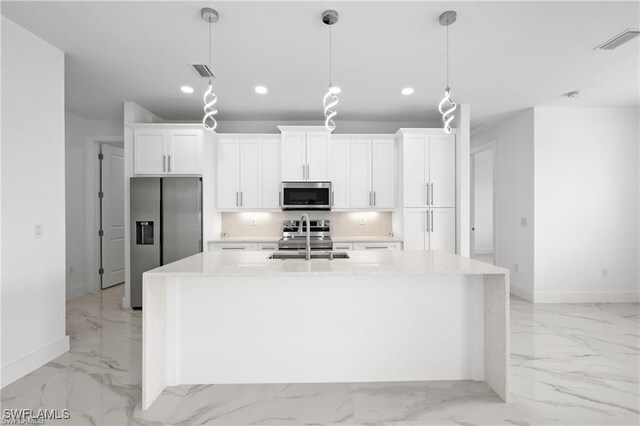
(100, 194)
(101, 271)
(101, 233)
(100, 156)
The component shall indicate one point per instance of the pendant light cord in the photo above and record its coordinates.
(210, 44)
(330, 56)
(447, 52)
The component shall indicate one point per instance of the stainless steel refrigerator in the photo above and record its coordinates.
(166, 225)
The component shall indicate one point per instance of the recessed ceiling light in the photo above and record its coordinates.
(186, 89)
(573, 94)
(335, 90)
(261, 90)
(407, 91)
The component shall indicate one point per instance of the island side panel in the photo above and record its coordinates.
(154, 339)
(496, 333)
(315, 329)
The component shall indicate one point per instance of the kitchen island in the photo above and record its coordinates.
(241, 317)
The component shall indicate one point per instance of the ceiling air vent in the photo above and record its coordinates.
(620, 39)
(203, 70)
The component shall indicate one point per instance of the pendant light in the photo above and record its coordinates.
(446, 19)
(330, 100)
(208, 121)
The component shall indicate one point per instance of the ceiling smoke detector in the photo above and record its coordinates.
(619, 40)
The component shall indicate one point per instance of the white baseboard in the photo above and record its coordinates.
(521, 293)
(586, 297)
(72, 293)
(26, 364)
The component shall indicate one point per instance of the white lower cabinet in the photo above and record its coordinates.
(215, 246)
(343, 246)
(268, 246)
(377, 246)
(429, 229)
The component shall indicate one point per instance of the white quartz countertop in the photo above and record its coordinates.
(246, 240)
(384, 262)
(340, 239)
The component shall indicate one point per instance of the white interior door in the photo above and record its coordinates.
(482, 206)
(112, 215)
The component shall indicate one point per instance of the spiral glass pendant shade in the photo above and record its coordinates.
(447, 114)
(209, 122)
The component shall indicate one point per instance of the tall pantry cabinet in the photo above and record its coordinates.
(428, 189)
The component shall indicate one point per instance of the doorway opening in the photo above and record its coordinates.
(111, 241)
(483, 245)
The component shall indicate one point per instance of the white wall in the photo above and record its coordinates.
(33, 191)
(514, 196)
(483, 202)
(79, 136)
(586, 204)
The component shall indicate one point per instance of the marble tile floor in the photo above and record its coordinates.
(571, 365)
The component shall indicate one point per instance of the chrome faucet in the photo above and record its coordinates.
(305, 217)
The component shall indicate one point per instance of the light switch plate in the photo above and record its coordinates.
(37, 230)
(523, 222)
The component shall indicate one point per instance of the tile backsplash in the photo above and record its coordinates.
(344, 224)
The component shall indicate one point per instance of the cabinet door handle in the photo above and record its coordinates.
(431, 193)
(304, 172)
(432, 220)
(369, 198)
(426, 193)
(169, 163)
(374, 198)
(331, 202)
(280, 198)
(307, 171)
(376, 247)
(233, 248)
(240, 198)
(237, 199)
(426, 219)
(164, 163)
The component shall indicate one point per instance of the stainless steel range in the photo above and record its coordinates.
(292, 239)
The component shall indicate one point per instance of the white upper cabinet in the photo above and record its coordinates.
(384, 173)
(361, 172)
(429, 170)
(305, 153)
(228, 173)
(294, 156)
(271, 173)
(340, 172)
(318, 156)
(161, 151)
(248, 172)
(373, 179)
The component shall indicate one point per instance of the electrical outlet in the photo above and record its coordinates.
(37, 230)
(363, 221)
(605, 272)
(523, 222)
(516, 268)
(253, 221)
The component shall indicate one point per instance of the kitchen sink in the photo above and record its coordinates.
(324, 255)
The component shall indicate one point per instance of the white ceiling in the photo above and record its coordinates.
(505, 56)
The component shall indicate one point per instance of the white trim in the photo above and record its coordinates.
(28, 363)
(521, 293)
(92, 251)
(72, 293)
(587, 297)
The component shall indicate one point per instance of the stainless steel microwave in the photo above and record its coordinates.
(306, 196)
